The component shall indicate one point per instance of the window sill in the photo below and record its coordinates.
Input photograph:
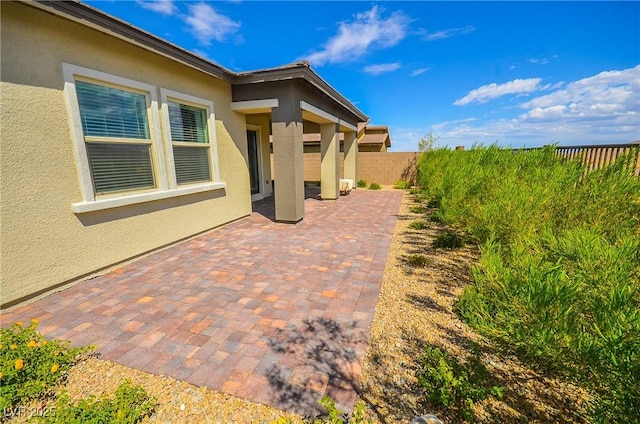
(116, 202)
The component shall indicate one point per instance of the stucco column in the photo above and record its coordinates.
(329, 162)
(351, 157)
(288, 162)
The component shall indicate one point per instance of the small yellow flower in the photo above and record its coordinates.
(35, 321)
(14, 346)
(1, 375)
(43, 384)
(55, 368)
(32, 343)
(42, 343)
(19, 364)
(19, 323)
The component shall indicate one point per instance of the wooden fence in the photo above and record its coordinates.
(594, 157)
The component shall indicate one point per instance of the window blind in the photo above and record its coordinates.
(111, 112)
(119, 167)
(188, 123)
(191, 164)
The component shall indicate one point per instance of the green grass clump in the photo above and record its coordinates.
(402, 185)
(418, 209)
(449, 383)
(129, 405)
(417, 260)
(559, 276)
(362, 183)
(448, 240)
(374, 186)
(31, 365)
(418, 224)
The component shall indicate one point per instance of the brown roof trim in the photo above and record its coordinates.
(302, 70)
(97, 19)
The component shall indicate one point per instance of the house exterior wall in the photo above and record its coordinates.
(43, 243)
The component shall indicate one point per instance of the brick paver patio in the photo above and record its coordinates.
(274, 313)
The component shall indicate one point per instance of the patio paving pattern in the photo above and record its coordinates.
(271, 312)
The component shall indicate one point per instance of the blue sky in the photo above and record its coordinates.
(515, 73)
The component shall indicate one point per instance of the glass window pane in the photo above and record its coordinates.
(120, 167)
(188, 123)
(110, 112)
(192, 164)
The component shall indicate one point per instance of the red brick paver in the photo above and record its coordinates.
(274, 313)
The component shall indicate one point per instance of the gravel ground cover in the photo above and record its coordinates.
(415, 309)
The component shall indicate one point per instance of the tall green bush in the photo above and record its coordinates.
(559, 276)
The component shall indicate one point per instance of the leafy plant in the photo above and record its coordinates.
(417, 260)
(402, 185)
(418, 224)
(336, 416)
(448, 240)
(374, 186)
(31, 365)
(362, 183)
(129, 405)
(449, 383)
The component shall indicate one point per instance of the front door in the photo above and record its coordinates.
(253, 147)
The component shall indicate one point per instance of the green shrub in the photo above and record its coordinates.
(402, 185)
(417, 260)
(31, 365)
(362, 183)
(418, 209)
(374, 186)
(129, 405)
(418, 224)
(448, 383)
(559, 276)
(448, 240)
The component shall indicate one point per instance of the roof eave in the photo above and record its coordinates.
(103, 22)
(298, 70)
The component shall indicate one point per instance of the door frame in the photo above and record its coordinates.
(260, 195)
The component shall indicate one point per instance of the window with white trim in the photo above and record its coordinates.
(122, 156)
(190, 143)
(115, 126)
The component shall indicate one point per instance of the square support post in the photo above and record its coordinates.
(351, 157)
(329, 162)
(288, 161)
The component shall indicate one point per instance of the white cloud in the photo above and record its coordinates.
(420, 71)
(205, 24)
(493, 90)
(604, 109)
(447, 33)
(354, 39)
(382, 68)
(166, 7)
(542, 61)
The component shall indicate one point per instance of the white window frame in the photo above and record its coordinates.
(167, 96)
(164, 186)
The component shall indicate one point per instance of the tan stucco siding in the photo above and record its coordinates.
(44, 243)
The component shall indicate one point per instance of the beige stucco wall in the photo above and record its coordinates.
(43, 243)
(380, 167)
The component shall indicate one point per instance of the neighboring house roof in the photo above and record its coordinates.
(376, 134)
(101, 21)
(373, 134)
